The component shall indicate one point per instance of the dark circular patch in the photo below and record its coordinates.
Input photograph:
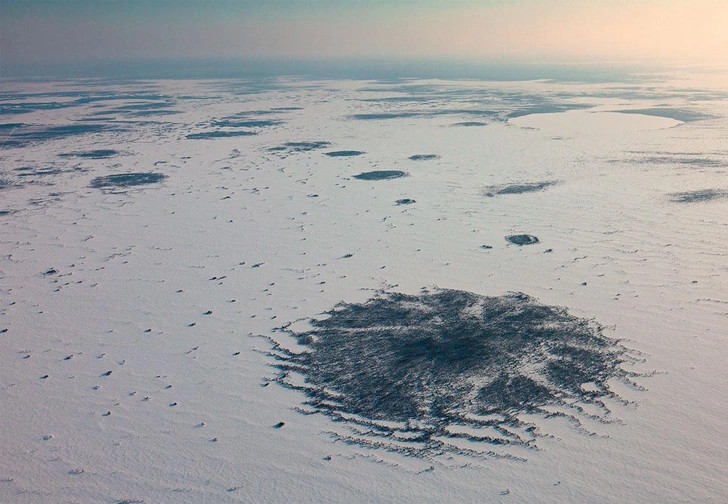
(381, 175)
(92, 154)
(344, 153)
(126, 180)
(522, 239)
(414, 373)
(518, 188)
(700, 196)
(470, 123)
(294, 147)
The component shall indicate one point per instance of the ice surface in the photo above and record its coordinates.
(140, 338)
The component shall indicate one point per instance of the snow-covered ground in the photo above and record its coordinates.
(135, 320)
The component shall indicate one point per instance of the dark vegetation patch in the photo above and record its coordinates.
(424, 157)
(345, 153)
(28, 107)
(689, 161)
(46, 94)
(415, 374)
(518, 188)
(143, 98)
(10, 126)
(251, 113)
(92, 154)
(699, 196)
(683, 115)
(20, 137)
(235, 123)
(380, 175)
(306, 146)
(99, 118)
(405, 201)
(155, 113)
(677, 159)
(154, 106)
(522, 239)
(22, 103)
(30, 171)
(470, 124)
(291, 147)
(219, 134)
(416, 101)
(206, 97)
(126, 180)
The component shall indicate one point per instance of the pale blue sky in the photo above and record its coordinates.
(74, 31)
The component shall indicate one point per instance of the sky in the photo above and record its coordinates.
(560, 31)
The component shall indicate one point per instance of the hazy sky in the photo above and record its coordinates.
(534, 30)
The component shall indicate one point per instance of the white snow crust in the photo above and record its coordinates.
(121, 279)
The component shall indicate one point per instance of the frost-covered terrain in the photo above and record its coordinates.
(355, 291)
